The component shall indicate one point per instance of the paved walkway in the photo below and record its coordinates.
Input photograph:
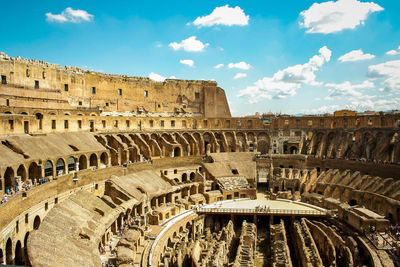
(266, 206)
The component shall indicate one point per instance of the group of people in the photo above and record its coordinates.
(26, 186)
(392, 233)
(122, 229)
(262, 208)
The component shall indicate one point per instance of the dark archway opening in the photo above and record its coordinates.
(8, 178)
(26, 249)
(9, 255)
(36, 222)
(35, 171)
(48, 169)
(60, 167)
(22, 172)
(184, 178)
(192, 175)
(104, 159)
(82, 163)
(19, 254)
(71, 164)
(177, 152)
(93, 160)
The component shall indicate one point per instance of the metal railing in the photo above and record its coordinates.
(262, 211)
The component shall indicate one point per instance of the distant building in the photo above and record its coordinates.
(344, 112)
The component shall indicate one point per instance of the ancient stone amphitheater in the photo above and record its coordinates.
(103, 169)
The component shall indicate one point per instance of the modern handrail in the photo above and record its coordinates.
(263, 211)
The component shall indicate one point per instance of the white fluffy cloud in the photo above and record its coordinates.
(190, 44)
(389, 71)
(156, 77)
(360, 104)
(219, 66)
(223, 15)
(331, 16)
(188, 62)
(394, 52)
(347, 89)
(239, 75)
(240, 65)
(285, 82)
(70, 15)
(355, 55)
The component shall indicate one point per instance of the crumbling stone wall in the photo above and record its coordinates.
(279, 246)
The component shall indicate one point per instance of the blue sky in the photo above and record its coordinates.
(280, 56)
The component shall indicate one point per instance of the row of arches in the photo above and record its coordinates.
(17, 255)
(134, 146)
(379, 145)
(52, 169)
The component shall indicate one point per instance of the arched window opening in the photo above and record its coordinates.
(177, 152)
(184, 178)
(35, 171)
(60, 167)
(192, 175)
(93, 160)
(104, 159)
(19, 255)
(71, 164)
(26, 249)
(9, 252)
(9, 179)
(82, 163)
(22, 172)
(36, 222)
(48, 169)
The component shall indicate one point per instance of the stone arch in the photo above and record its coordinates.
(192, 176)
(201, 188)
(21, 171)
(315, 143)
(8, 178)
(134, 154)
(19, 254)
(263, 143)
(71, 164)
(82, 162)
(208, 140)
(193, 190)
(60, 167)
(184, 177)
(48, 169)
(93, 160)
(39, 117)
(26, 249)
(230, 142)
(241, 139)
(104, 159)
(330, 146)
(9, 252)
(293, 150)
(192, 144)
(185, 192)
(1, 256)
(35, 171)
(177, 152)
(36, 222)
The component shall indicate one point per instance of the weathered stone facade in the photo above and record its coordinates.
(85, 165)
